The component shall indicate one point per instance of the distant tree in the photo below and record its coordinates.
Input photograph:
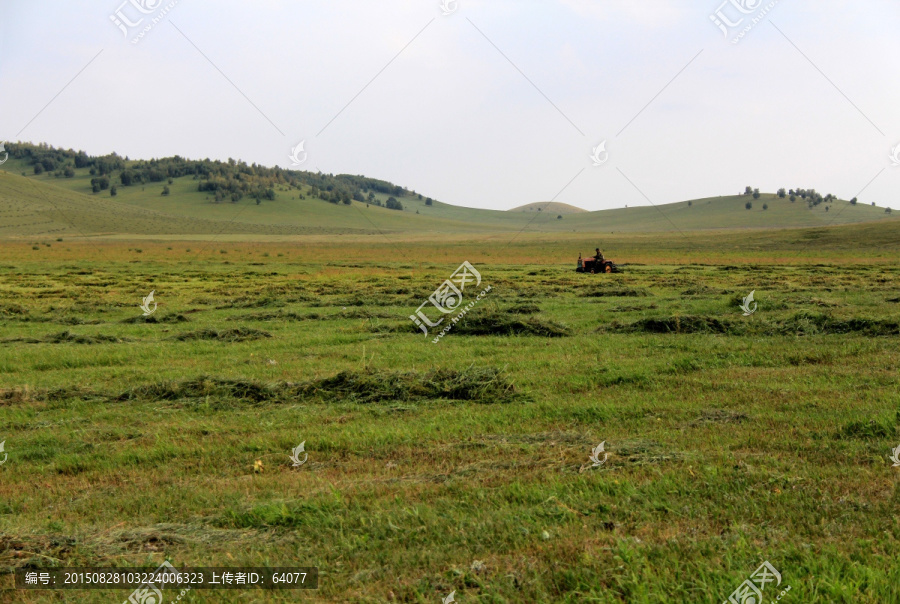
(428, 202)
(420, 197)
(765, 206)
(793, 198)
(393, 204)
(165, 190)
(827, 208)
(887, 210)
(69, 172)
(38, 168)
(873, 204)
(371, 197)
(171, 181)
(95, 188)
(853, 201)
(113, 191)
(791, 192)
(690, 203)
(755, 193)
(781, 193)
(236, 196)
(358, 196)
(748, 191)
(270, 194)
(101, 182)
(749, 205)
(258, 200)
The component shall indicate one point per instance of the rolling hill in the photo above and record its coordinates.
(286, 204)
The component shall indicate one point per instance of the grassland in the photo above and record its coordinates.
(46, 206)
(462, 465)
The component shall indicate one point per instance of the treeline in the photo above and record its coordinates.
(810, 196)
(231, 180)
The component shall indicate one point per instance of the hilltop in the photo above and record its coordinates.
(553, 207)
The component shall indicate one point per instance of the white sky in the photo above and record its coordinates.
(451, 117)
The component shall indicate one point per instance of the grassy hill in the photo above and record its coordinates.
(47, 205)
(551, 207)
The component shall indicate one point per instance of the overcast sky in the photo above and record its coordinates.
(497, 104)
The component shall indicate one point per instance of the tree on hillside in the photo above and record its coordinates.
(887, 210)
(38, 168)
(165, 190)
(749, 205)
(428, 202)
(781, 192)
(755, 193)
(748, 191)
(113, 191)
(559, 216)
(765, 206)
(853, 201)
(69, 172)
(793, 198)
(393, 204)
(690, 203)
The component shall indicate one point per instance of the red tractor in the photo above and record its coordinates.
(594, 265)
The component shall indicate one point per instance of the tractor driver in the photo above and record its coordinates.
(598, 256)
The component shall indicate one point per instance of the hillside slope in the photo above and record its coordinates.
(48, 205)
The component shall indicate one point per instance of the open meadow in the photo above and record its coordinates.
(465, 465)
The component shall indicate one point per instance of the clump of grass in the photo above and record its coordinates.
(245, 302)
(870, 430)
(614, 293)
(810, 323)
(179, 318)
(472, 384)
(67, 337)
(508, 324)
(240, 334)
(483, 385)
(685, 324)
(275, 316)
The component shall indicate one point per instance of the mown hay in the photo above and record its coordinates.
(240, 334)
(484, 385)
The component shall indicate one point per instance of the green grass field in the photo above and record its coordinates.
(46, 206)
(463, 465)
